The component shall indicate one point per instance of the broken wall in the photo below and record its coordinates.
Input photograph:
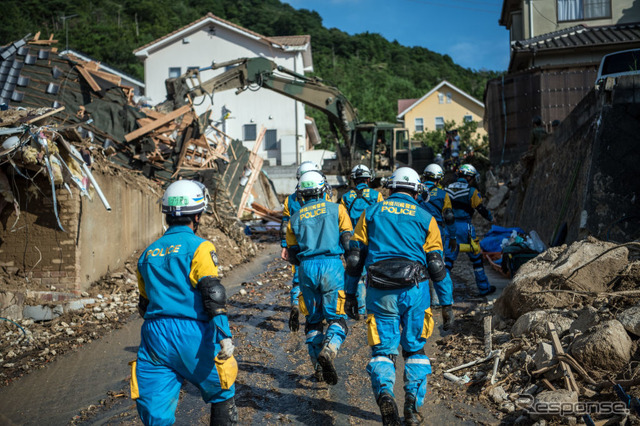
(38, 255)
(584, 176)
(106, 239)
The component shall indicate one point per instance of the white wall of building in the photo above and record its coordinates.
(198, 48)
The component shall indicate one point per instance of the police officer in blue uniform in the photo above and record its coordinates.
(291, 205)
(316, 237)
(399, 244)
(436, 201)
(465, 200)
(356, 201)
(185, 334)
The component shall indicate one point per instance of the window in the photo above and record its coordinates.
(174, 72)
(440, 98)
(449, 97)
(419, 123)
(271, 140)
(439, 123)
(575, 10)
(468, 118)
(249, 132)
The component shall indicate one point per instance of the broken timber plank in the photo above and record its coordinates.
(45, 115)
(569, 380)
(157, 123)
(88, 78)
(487, 335)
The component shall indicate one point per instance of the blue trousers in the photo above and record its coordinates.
(444, 288)
(172, 350)
(465, 231)
(322, 287)
(295, 287)
(399, 317)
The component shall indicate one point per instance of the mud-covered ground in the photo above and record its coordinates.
(275, 383)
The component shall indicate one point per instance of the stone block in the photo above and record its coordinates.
(630, 319)
(606, 346)
(39, 313)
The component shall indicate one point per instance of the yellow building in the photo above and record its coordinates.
(445, 102)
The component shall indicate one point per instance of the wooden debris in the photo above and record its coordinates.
(157, 123)
(487, 335)
(569, 380)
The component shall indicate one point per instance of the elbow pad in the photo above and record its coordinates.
(355, 262)
(345, 237)
(435, 266)
(293, 255)
(484, 212)
(449, 217)
(142, 305)
(214, 296)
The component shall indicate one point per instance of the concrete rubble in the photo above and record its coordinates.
(566, 329)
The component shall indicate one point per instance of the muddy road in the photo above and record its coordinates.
(274, 385)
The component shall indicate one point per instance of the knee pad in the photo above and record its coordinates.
(342, 323)
(406, 354)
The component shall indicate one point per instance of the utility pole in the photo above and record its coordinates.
(66, 28)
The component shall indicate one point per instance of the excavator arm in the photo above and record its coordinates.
(254, 73)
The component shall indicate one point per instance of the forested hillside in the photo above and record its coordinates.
(372, 71)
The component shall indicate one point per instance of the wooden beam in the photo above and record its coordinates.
(157, 123)
(88, 78)
(45, 115)
(569, 380)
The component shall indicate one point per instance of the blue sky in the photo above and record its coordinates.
(466, 30)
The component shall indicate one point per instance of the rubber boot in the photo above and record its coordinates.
(325, 359)
(447, 317)
(294, 319)
(224, 413)
(411, 415)
(388, 410)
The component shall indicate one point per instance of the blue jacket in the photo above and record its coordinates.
(317, 228)
(438, 202)
(397, 228)
(169, 270)
(358, 199)
(291, 205)
(465, 200)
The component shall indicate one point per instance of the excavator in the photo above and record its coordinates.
(381, 146)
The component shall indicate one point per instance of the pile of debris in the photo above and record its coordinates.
(565, 331)
(50, 330)
(164, 143)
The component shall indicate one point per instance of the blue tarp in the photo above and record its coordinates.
(492, 240)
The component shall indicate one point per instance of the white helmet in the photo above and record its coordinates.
(311, 184)
(433, 172)
(405, 178)
(183, 197)
(467, 170)
(305, 167)
(360, 172)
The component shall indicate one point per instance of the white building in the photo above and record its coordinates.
(212, 39)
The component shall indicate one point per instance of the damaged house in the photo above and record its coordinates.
(82, 169)
(212, 39)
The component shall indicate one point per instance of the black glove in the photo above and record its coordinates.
(453, 244)
(351, 306)
(294, 319)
